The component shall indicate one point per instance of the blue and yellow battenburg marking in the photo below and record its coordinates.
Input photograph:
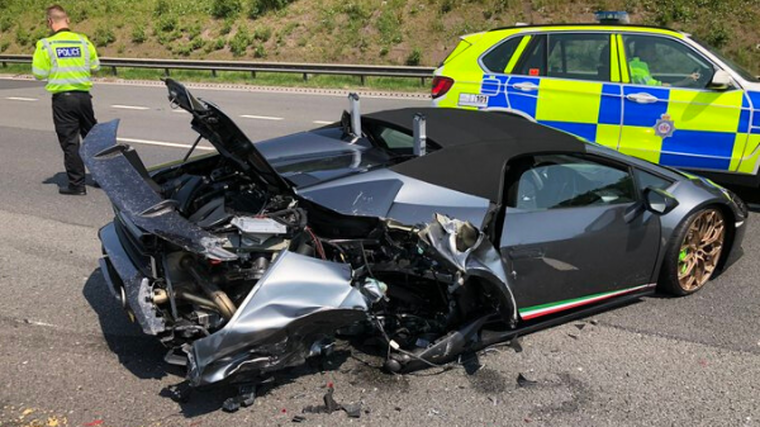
(683, 128)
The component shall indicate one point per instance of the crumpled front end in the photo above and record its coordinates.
(240, 280)
(292, 313)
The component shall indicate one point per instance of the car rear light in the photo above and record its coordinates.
(441, 85)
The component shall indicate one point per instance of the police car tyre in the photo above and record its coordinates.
(694, 252)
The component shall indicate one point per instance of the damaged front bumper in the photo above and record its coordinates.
(290, 315)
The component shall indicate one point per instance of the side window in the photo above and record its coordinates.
(660, 61)
(567, 181)
(646, 179)
(533, 62)
(579, 56)
(496, 59)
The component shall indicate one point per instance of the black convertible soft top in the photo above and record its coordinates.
(474, 146)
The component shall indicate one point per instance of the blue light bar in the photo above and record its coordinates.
(612, 17)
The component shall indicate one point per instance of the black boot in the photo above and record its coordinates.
(72, 191)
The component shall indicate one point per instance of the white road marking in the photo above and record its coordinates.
(322, 122)
(130, 107)
(249, 116)
(179, 110)
(49, 325)
(34, 322)
(163, 144)
(21, 98)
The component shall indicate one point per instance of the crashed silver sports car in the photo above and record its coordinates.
(435, 231)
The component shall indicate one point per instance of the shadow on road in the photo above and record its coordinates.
(61, 180)
(142, 355)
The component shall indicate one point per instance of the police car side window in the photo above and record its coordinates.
(579, 56)
(496, 59)
(533, 62)
(666, 62)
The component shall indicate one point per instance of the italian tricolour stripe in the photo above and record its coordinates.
(544, 309)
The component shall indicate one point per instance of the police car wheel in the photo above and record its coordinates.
(694, 252)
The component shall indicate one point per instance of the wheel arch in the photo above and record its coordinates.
(729, 218)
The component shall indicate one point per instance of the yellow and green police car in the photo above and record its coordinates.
(649, 92)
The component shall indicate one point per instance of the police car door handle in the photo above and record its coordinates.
(526, 86)
(641, 98)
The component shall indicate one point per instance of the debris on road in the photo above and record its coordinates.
(516, 345)
(245, 398)
(471, 363)
(522, 381)
(353, 410)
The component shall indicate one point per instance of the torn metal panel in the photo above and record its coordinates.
(467, 249)
(121, 174)
(299, 301)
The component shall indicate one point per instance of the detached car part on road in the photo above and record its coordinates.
(439, 231)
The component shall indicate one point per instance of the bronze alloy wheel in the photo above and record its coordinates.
(700, 249)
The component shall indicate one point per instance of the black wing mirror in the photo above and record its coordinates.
(659, 201)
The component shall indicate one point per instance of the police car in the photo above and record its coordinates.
(649, 92)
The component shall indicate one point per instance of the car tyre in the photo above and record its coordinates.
(694, 252)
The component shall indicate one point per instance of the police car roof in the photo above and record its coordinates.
(586, 25)
(474, 146)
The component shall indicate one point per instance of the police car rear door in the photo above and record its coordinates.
(673, 119)
(570, 81)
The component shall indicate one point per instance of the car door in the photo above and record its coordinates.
(673, 119)
(571, 234)
(570, 81)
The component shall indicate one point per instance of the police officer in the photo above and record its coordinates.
(639, 66)
(66, 59)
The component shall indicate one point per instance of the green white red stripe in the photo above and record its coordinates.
(554, 307)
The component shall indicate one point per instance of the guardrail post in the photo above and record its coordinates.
(253, 74)
(166, 71)
(213, 73)
(361, 79)
(113, 70)
(422, 79)
(5, 64)
(305, 77)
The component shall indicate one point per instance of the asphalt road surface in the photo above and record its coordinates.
(69, 356)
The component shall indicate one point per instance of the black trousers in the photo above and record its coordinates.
(73, 117)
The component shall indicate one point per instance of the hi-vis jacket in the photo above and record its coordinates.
(66, 59)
